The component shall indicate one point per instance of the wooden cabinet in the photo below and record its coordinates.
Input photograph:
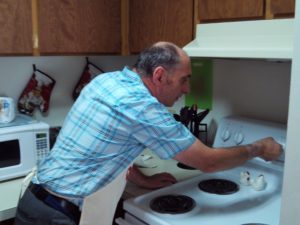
(283, 8)
(159, 20)
(15, 27)
(79, 27)
(229, 10)
(94, 26)
(70, 27)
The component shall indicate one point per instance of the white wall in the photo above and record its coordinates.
(16, 71)
(258, 89)
(253, 88)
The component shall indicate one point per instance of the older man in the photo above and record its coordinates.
(117, 116)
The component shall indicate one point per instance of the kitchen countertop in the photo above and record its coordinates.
(149, 164)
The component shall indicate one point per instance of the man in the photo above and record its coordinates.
(117, 116)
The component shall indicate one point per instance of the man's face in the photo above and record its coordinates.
(176, 84)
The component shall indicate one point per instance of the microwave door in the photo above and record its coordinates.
(17, 155)
(10, 153)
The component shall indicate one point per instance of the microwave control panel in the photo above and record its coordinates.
(42, 145)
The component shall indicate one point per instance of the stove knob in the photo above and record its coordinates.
(238, 138)
(225, 135)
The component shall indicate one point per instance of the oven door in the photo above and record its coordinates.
(17, 154)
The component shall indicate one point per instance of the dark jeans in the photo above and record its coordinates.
(32, 211)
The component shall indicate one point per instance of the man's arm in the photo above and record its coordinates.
(155, 181)
(209, 159)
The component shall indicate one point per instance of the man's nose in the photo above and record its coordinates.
(186, 88)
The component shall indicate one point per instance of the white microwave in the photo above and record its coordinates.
(22, 144)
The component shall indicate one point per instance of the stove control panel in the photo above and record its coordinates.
(233, 131)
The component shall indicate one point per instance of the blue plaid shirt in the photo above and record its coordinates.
(113, 120)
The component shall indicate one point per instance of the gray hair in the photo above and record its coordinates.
(163, 54)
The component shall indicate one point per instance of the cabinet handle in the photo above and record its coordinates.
(35, 33)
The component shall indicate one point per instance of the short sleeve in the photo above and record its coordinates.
(157, 129)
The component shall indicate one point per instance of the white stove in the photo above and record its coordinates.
(256, 198)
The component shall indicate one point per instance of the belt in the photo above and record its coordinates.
(55, 202)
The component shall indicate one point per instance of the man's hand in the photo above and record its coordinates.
(267, 149)
(155, 181)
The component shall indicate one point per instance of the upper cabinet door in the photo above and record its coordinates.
(15, 27)
(283, 8)
(79, 27)
(159, 20)
(226, 10)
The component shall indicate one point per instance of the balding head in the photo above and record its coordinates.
(165, 54)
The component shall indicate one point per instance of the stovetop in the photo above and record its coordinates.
(244, 206)
(257, 200)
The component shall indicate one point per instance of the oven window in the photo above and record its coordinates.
(9, 153)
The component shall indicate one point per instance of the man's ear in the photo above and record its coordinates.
(158, 75)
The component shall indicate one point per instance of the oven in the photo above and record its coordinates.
(249, 194)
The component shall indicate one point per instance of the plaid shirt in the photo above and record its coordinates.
(114, 119)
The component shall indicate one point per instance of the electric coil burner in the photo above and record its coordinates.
(249, 194)
(218, 186)
(172, 204)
